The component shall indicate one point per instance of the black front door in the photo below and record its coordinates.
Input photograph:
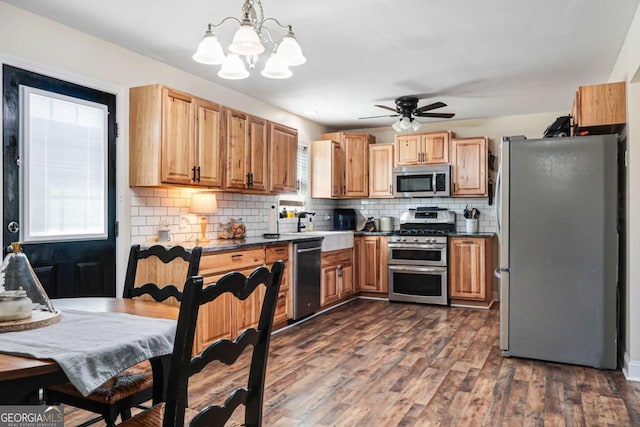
(60, 181)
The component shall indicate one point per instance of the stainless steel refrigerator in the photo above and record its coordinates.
(556, 203)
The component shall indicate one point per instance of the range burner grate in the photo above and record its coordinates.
(422, 232)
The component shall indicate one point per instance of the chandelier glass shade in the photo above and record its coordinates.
(249, 41)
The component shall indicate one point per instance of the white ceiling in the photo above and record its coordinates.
(482, 58)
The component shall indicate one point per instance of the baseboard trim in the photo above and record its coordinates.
(481, 307)
(631, 368)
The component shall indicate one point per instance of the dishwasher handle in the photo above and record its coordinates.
(308, 249)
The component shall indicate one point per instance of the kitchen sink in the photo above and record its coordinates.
(333, 240)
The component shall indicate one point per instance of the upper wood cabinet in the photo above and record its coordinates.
(284, 154)
(471, 269)
(469, 175)
(326, 161)
(247, 153)
(422, 149)
(599, 108)
(174, 138)
(355, 165)
(210, 146)
(380, 170)
(177, 138)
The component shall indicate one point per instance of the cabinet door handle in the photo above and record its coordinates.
(198, 171)
(467, 242)
(193, 171)
(250, 179)
(390, 188)
(454, 188)
(235, 256)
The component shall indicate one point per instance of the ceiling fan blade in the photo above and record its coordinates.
(376, 117)
(430, 107)
(438, 115)
(385, 107)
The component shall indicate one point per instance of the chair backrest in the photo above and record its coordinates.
(224, 350)
(159, 291)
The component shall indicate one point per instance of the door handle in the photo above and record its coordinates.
(13, 227)
(193, 171)
(198, 171)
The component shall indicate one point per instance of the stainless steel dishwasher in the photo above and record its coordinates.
(306, 278)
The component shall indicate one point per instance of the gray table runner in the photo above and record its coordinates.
(93, 347)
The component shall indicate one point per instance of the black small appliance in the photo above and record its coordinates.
(344, 219)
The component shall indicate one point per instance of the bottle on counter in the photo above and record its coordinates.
(310, 225)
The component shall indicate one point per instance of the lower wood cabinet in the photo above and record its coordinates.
(471, 270)
(337, 276)
(371, 263)
(226, 317)
(283, 305)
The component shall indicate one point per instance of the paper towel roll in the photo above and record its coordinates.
(273, 220)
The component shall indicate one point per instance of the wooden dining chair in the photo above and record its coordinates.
(134, 386)
(174, 412)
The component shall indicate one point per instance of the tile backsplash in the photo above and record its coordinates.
(152, 206)
(393, 207)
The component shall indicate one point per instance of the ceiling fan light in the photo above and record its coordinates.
(209, 50)
(416, 125)
(405, 123)
(233, 68)
(396, 126)
(276, 69)
(246, 41)
(290, 51)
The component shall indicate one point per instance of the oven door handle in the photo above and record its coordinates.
(416, 246)
(418, 269)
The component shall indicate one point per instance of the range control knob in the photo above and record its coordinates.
(415, 239)
(403, 239)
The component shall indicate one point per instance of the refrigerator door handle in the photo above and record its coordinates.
(498, 197)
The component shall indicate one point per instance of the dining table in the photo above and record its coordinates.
(22, 377)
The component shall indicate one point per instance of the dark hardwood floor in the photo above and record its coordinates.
(374, 363)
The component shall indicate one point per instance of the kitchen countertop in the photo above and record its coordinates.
(373, 233)
(389, 233)
(225, 245)
(462, 234)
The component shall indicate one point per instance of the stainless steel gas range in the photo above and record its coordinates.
(418, 256)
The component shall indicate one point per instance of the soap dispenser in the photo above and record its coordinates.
(310, 225)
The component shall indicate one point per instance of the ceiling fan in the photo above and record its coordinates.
(407, 108)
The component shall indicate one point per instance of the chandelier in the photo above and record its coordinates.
(249, 41)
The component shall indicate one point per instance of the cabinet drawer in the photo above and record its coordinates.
(276, 253)
(231, 261)
(337, 257)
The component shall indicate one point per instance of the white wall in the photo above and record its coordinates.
(38, 44)
(627, 69)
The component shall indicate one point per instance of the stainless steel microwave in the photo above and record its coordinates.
(421, 181)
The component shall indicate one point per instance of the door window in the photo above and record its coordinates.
(64, 174)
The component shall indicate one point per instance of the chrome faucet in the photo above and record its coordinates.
(301, 215)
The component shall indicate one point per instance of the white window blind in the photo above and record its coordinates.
(303, 170)
(64, 167)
